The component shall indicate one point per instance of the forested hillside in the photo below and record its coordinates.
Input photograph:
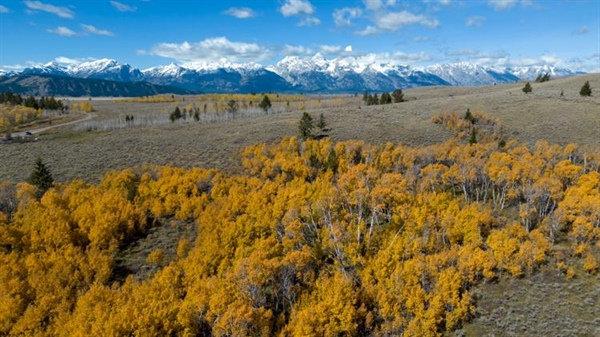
(315, 239)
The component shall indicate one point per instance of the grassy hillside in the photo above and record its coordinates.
(543, 114)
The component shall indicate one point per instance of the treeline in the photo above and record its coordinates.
(386, 98)
(44, 103)
(316, 238)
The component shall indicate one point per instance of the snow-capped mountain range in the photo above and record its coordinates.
(296, 74)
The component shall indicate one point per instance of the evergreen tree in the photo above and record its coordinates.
(321, 124)
(175, 115)
(527, 88)
(469, 116)
(265, 104)
(473, 139)
(365, 97)
(386, 98)
(586, 90)
(306, 126)
(398, 96)
(40, 178)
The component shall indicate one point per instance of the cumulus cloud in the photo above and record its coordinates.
(212, 50)
(462, 52)
(4, 9)
(581, 30)
(93, 30)
(62, 12)
(329, 49)
(309, 21)
(343, 17)
(393, 21)
(301, 8)
(502, 4)
(121, 7)
(68, 60)
(369, 30)
(395, 58)
(290, 50)
(384, 19)
(62, 31)
(441, 2)
(297, 7)
(348, 49)
(240, 12)
(474, 21)
(373, 5)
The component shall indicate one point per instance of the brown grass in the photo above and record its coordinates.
(543, 114)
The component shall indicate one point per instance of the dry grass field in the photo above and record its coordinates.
(86, 152)
(542, 304)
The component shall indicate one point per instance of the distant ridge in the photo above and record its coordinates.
(52, 85)
(292, 74)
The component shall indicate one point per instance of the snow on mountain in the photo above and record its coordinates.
(531, 72)
(51, 68)
(348, 74)
(303, 74)
(106, 69)
(467, 74)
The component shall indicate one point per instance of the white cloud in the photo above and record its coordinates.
(329, 49)
(309, 21)
(93, 30)
(212, 50)
(373, 5)
(343, 17)
(369, 30)
(121, 7)
(4, 9)
(581, 30)
(393, 21)
(348, 49)
(423, 39)
(62, 12)
(62, 31)
(290, 50)
(395, 58)
(502, 4)
(302, 8)
(240, 12)
(297, 7)
(441, 2)
(474, 21)
(68, 60)
(462, 52)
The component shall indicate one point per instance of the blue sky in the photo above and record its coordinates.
(146, 33)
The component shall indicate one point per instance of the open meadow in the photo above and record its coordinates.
(108, 142)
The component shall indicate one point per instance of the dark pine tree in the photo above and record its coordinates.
(306, 126)
(41, 178)
(265, 104)
(586, 90)
(398, 96)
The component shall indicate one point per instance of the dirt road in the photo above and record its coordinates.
(22, 134)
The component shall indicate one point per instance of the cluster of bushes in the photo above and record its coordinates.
(386, 98)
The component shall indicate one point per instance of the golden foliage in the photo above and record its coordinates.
(316, 239)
